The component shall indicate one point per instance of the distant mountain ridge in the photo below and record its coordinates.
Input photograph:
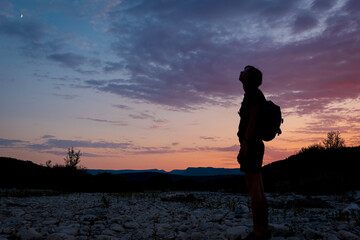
(311, 171)
(191, 171)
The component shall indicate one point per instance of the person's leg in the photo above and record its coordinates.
(264, 210)
(258, 203)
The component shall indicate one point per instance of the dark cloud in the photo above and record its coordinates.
(323, 4)
(141, 116)
(39, 49)
(95, 83)
(64, 153)
(69, 60)
(186, 54)
(113, 66)
(75, 61)
(121, 106)
(353, 6)
(32, 33)
(65, 96)
(208, 138)
(303, 22)
(9, 142)
(233, 148)
(153, 150)
(48, 136)
(29, 30)
(117, 123)
(58, 143)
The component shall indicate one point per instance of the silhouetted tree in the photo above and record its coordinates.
(73, 158)
(48, 164)
(313, 147)
(333, 140)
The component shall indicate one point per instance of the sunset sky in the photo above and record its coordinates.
(144, 84)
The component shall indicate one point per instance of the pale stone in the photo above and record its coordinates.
(351, 207)
(87, 217)
(183, 228)
(29, 234)
(235, 232)
(60, 236)
(312, 234)
(69, 230)
(278, 229)
(131, 225)
(197, 236)
(13, 221)
(343, 227)
(347, 235)
(330, 236)
(106, 237)
(117, 227)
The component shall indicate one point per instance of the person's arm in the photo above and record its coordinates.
(254, 115)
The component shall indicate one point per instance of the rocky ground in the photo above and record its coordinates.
(176, 215)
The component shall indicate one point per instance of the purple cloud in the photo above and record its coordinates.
(69, 60)
(178, 56)
(48, 136)
(322, 4)
(117, 123)
(9, 142)
(121, 106)
(141, 116)
(30, 30)
(304, 21)
(58, 143)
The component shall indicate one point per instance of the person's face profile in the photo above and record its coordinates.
(244, 75)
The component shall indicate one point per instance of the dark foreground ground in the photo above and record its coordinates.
(173, 215)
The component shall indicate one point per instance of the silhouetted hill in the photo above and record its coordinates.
(99, 171)
(207, 171)
(313, 171)
(25, 174)
(191, 171)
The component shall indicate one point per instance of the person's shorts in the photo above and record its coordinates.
(253, 160)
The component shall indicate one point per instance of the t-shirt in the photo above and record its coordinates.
(251, 99)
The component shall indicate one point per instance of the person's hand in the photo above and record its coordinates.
(242, 153)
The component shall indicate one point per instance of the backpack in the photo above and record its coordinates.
(270, 121)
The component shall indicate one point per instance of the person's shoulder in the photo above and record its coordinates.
(257, 97)
(257, 94)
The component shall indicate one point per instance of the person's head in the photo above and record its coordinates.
(251, 77)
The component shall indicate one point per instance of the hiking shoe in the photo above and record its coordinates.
(252, 236)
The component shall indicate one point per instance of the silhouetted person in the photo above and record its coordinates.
(251, 152)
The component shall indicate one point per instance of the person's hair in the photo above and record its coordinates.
(255, 78)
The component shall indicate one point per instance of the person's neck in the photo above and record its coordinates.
(251, 90)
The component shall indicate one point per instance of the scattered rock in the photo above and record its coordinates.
(116, 227)
(330, 236)
(29, 234)
(345, 235)
(197, 215)
(312, 234)
(352, 207)
(60, 236)
(290, 238)
(88, 217)
(197, 236)
(235, 232)
(279, 230)
(131, 225)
